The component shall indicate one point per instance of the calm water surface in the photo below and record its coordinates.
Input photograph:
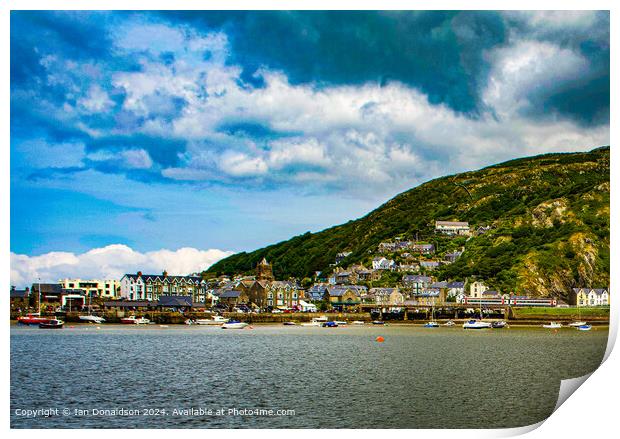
(330, 377)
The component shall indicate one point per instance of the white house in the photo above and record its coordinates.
(307, 307)
(455, 288)
(452, 227)
(381, 263)
(598, 297)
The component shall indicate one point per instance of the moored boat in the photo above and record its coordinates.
(552, 325)
(449, 323)
(215, 320)
(329, 325)
(92, 319)
(289, 324)
(316, 321)
(51, 324)
(577, 324)
(357, 322)
(32, 319)
(340, 322)
(378, 322)
(498, 324)
(234, 324)
(133, 320)
(432, 324)
(476, 324)
(584, 327)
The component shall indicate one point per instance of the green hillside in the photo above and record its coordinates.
(549, 218)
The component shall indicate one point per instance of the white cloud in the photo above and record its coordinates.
(97, 100)
(526, 67)
(390, 138)
(109, 262)
(126, 159)
(241, 165)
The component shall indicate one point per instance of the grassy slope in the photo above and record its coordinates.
(550, 218)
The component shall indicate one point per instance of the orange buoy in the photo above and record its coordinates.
(379, 339)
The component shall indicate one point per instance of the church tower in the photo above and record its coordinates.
(264, 271)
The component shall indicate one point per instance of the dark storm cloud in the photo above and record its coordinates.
(438, 52)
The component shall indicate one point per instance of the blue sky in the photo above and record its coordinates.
(233, 130)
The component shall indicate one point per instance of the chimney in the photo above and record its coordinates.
(165, 273)
(139, 274)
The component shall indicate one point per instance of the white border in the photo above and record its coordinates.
(588, 413)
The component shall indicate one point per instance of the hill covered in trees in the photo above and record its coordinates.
(548, 216)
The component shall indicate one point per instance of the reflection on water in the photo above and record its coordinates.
(331, 377)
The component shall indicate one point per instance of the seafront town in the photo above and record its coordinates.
(386, 290)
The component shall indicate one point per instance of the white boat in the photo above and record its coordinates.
(317, 321)
(476, 324)
(432, 323)
(449, 323)
(215, 320)
(340, 322)
(234, 325)
(576, 324)
(133, 320)
(552, 325)
(190, 322)
(92, 319)
(357, 322)
(289, 324)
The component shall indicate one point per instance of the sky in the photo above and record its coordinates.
(168, 140)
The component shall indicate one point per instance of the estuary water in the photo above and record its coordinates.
(206, 377)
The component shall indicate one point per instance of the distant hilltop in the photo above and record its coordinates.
(539, 224)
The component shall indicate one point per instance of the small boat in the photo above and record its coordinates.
(51, 324)
(552, 325)
(498, 325)
(476, 324)
(289, 324)
(215, 320)
(92, 319)
(357, 322)
(329, 325)
(378, 322)
(234, 324)
(133, 320)
(190, 322)
(340, 322)
(32, 319)
(577, 324)
(432, 323)
(584, 327)
(316, 321)
(449, 323)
